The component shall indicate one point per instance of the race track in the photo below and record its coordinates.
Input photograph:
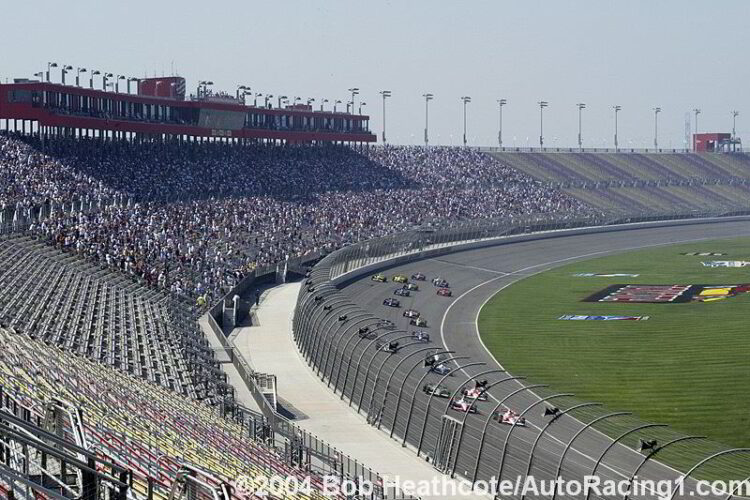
(475, 276)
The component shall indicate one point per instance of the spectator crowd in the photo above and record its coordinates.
(203, 215)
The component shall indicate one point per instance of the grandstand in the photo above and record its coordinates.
(638, 182)
(149, 430)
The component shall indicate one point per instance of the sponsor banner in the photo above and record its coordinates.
(667, 294)
(703, 254)
(579, 317)
(726, 263)
(601, 275)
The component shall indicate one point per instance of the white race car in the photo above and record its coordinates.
(475, 392)
(509, 417)
(464, 406)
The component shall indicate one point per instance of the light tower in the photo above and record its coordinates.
(386, 94)
(427, 98)
(581, 106)
(501, 103)
(465, 99)
(734, 123)
(542, 105)
(617, 109)
(78, 75)
(657, 110)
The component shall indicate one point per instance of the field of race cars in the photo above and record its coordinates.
(491, 402)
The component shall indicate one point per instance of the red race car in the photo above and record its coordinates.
(445, 292)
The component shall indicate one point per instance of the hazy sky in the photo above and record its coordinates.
(676, 54)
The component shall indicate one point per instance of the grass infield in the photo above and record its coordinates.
(687, 366)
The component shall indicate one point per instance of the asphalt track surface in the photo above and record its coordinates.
(475, 276)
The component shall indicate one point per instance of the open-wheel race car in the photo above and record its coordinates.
(413, 287)
(510, 417)
(391, 347)
(420, 336)
(411, 313)
(391, 302)
(399, 278)
(437, 390)
(477, 392)
(364, 332)
(444, 292)
(464, 406)
(440, 283)
(379, 278)
(401, 292)
(418, 322)
(418, 277)
(386, 324)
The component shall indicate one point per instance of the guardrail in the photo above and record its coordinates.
(343, 342)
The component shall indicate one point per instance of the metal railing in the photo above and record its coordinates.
(338, 339)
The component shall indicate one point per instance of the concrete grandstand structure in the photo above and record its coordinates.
(640, 181)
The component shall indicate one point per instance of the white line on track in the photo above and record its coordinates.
(483, 269)
(551, 263)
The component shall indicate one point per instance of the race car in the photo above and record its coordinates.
(418, 277)
(441, 369)
(440, 283)
(379, 278)
(411, 286)
(437, 390)
(463, 406)
(420, 336)
(391, 302)
(365, 333)
(386, 324)
(390, 347)
(418, 322)
(401, 292)
(444, 292)
(400, 278)
(509, 417)
(476, 392)
(411, 313)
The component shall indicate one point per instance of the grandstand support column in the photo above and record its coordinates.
(575, 436)
(613, 443)
(406, 378)
(377, 378)
(653, 452)
(369, 365)
(429, 401)
(466, 415)
(512, 427)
